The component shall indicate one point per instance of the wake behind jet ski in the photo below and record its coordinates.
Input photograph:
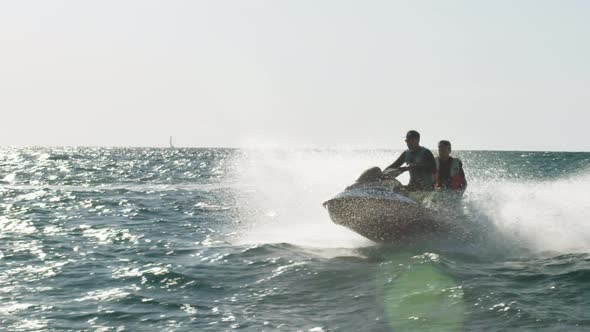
(379, 208)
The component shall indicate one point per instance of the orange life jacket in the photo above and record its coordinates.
(456, 174)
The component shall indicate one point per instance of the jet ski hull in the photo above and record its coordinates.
(381, 214)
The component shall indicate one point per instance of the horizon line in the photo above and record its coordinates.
(344, 148)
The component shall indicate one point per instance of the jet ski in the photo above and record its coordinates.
(379, 208)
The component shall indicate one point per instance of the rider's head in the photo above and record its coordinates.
(413, 139)
(444, 149)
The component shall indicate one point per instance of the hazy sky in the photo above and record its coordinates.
(485, 74)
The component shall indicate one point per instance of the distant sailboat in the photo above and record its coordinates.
(170, 143)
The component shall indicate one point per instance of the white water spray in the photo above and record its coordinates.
(287, 189)
(541, 216)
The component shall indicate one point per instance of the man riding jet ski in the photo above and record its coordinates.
(379, 208)
(420, 163)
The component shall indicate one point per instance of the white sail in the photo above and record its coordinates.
(170, 143)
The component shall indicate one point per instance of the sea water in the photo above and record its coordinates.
(140, 239)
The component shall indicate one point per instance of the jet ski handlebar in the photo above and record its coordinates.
(392, 173)
(374, 174)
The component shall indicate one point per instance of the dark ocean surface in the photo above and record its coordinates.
(138, 239)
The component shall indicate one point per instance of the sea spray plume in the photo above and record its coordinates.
(538, 215)
(286, 189)
(527, 201)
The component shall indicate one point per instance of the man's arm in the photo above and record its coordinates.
(400, 161)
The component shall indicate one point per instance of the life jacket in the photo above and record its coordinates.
(456, 175)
